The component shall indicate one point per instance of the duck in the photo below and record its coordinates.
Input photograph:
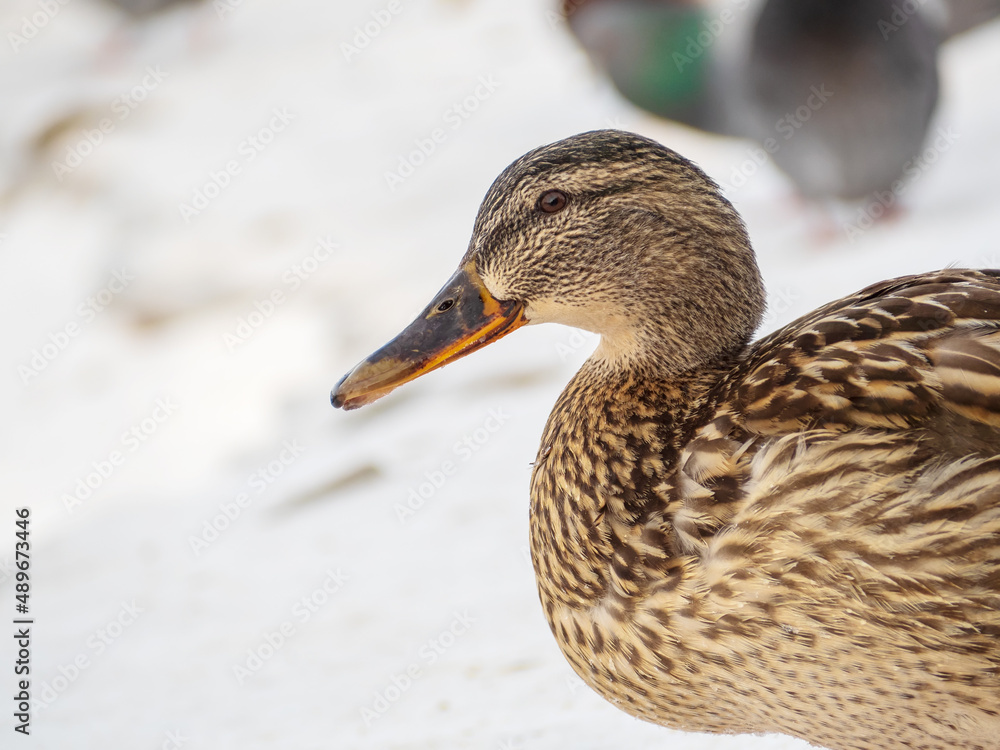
(798, 534)
(841, 93)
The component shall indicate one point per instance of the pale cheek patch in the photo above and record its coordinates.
(494, 285)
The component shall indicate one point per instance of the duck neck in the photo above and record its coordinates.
(602, 491)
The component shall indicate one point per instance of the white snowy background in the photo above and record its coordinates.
(318, 617)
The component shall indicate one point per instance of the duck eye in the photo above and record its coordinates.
(552, 201)
(445, 306)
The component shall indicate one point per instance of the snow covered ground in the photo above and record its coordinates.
(205, 220)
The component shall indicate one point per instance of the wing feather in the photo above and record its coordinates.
(893, 356)
(918, 354)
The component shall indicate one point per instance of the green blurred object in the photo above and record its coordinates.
(658, 54)
(647, 72)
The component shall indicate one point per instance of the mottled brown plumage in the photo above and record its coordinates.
(799, 535)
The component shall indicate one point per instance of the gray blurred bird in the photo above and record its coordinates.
(841, 92)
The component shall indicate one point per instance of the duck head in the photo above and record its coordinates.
(606, 231)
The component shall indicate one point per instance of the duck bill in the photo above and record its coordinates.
(462, 318)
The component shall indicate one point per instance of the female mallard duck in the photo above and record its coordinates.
(799, 535)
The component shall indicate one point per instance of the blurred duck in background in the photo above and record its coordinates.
(863, 71)
(838, 94)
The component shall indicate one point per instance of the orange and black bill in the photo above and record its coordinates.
(461, 318)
